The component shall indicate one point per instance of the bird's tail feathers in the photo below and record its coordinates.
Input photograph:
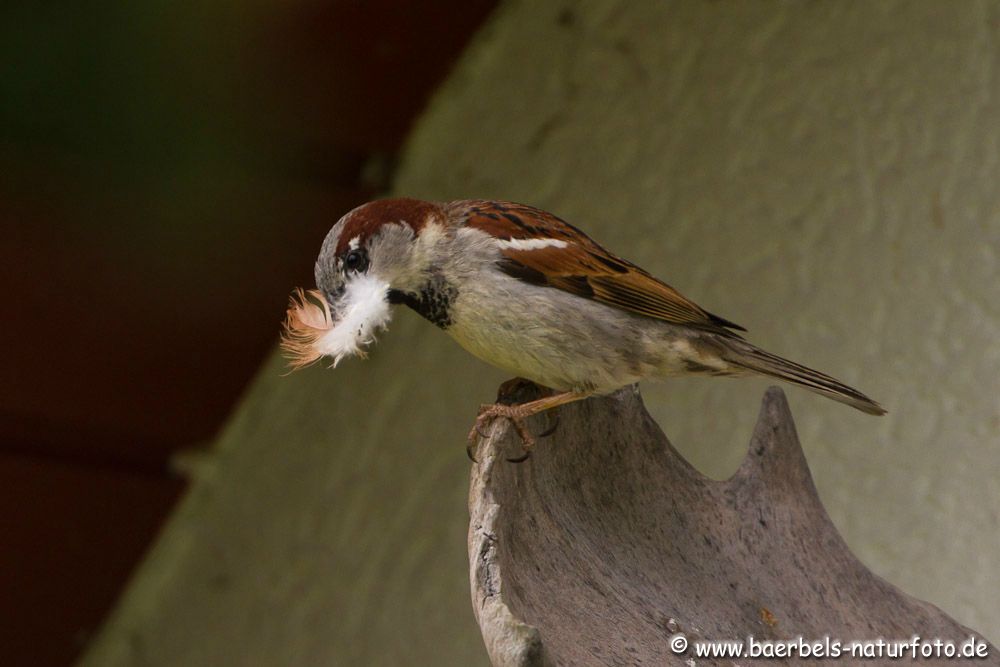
(755, 359)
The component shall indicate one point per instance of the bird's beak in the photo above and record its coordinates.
(314, 328)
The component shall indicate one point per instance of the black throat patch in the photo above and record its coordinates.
(433, 302)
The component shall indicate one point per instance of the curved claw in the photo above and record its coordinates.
(552, 429)
(477, 429)
(527, 440)
(522, 458)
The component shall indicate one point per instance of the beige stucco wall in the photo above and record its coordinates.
(826, 174)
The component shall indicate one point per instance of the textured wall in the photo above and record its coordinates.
(825, 174)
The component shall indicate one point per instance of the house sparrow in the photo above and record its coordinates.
(525, 291)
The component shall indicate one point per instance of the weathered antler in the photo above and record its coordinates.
(607, 543)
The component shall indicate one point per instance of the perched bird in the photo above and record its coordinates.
(525, 291)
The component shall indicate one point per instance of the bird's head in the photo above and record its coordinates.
(383, 247)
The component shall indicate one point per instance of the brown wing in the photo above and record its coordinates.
(581, 267)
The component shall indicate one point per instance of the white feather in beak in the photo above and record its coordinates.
(313, 330)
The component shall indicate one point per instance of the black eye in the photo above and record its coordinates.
(355, 260)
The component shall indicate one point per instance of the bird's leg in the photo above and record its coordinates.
(517, 414)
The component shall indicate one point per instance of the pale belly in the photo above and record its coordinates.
(565, 342)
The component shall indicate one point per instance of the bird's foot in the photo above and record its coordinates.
(516, 414)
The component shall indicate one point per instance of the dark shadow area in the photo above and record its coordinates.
(169, 171)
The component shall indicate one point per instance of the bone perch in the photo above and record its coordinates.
(606, 542)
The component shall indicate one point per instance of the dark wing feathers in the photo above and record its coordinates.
(582, 267)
